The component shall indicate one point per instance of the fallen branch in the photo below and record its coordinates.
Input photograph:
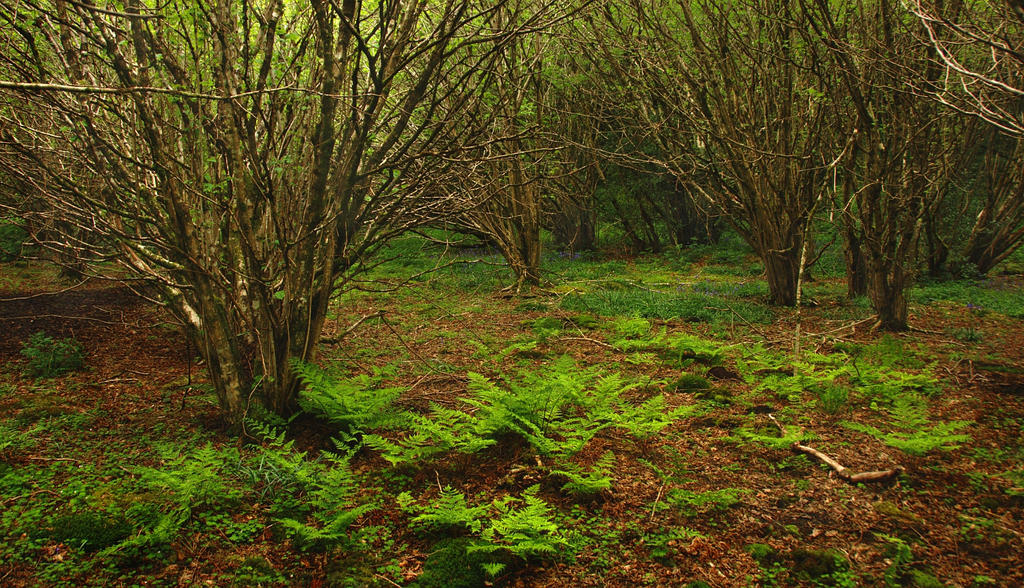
(337, 338)
(842, 472)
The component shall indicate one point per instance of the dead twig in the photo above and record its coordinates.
(842, 472)
(589, 340)
(14, 499)
(656, 500)
(337, 338)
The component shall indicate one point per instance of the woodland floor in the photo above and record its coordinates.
(694, 503)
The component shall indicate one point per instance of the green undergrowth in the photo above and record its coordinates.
(990, 295)
(607, 438)
(556, 411)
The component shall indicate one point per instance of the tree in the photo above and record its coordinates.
(978, 46)
(895, 165)
(504, 190)
(732, 94)
(244, 159)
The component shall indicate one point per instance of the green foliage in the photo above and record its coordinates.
(915, 433)
(556, 411)
(682, 347)
(545, 328)
(635, 335)
(771, 437)
(584, 321)
(508, 527)
(692, 503)
(1016, 479)
(990, 295)
(832, 397)
(333, 497)
(525, 531)
(449, 512)
(631, 328)
(900, 554)
(355, 404)
(89, 530)
(695, 307)
(869, 372)
(13, 439)
(588, 482)
(197, 480)
(451, 564)
(666, 544)
(823, 567)
(12, 239)
(256, 571)
(691, 383)
(49, 357)
(275, 472)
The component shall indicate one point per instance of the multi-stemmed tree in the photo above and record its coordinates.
(243, 158)
(730, 98)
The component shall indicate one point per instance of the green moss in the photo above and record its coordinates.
(818, 563)
(452, 564)
(90, 531)
(691, 383)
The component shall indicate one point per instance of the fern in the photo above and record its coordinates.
(694, 502)
(772, 438)
(448, 512)
(355, 404)
(526, 532)
(649, 418)
(198, 480)
(588, 482)
(276, 469)
(688, 347)
(631, 328)
(915, 432)
(335, 509)
(445, 430)
(557, 411)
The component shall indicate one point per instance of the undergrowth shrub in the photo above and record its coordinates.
(13, 439)
(12, 239)
(316, 501)
(451, 564)
(196, 481)
(89, 530)
(48, 357)
(336, 505)
(518, 528)
(688, 306)
(831, 378)
(692, 503)
(590, 481)
(556, 411)
(771, 437)
(913, 431)
(354, 404)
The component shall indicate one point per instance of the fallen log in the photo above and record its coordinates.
(841, 472)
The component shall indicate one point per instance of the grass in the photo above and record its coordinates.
(991, 295)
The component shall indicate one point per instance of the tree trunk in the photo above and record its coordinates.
(886, 283)
(856, 271)
(527, 266)
(782, 269)
(574, 226)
